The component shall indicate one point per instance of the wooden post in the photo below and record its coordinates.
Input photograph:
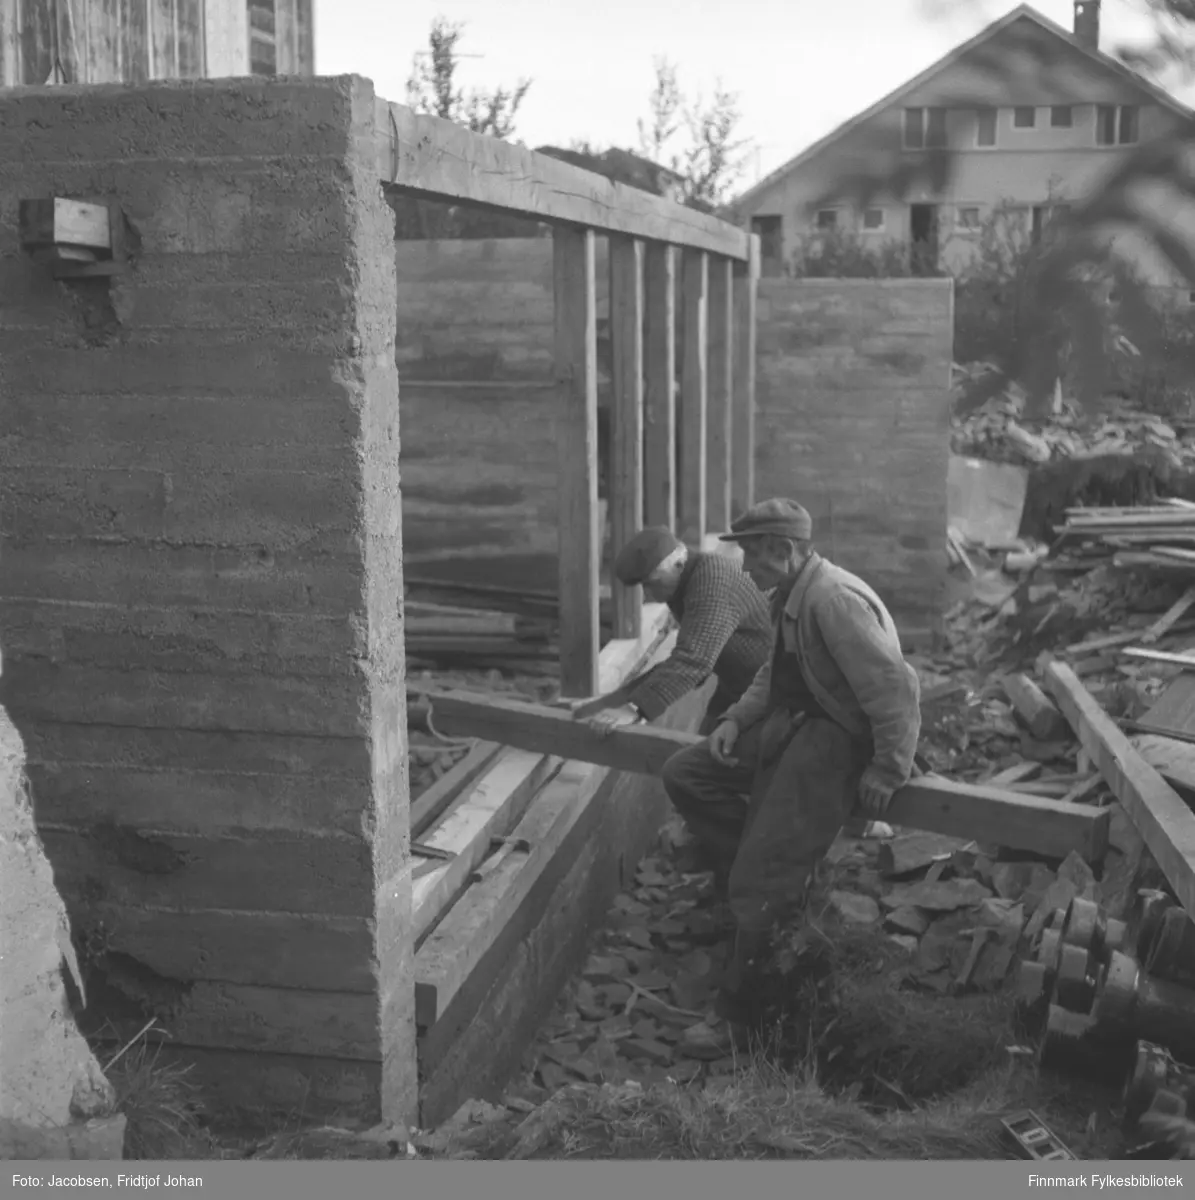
(579, 554)
(626, 476)
(742, 421)
(659, 450)
(691, 509)
(721, 389)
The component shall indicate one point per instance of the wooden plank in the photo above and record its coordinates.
(1173, 713)
(1045, 722)
(434, 157)
(136, 53)
(305, 19)
(935, 805)
(580, 536)
(226, 40)
(742, 418)
(430, 804)
(1172, 759)
(659, 452)
(721, 389)
(10, 44)
(1170, 617)
(163, 40)
(1165, 823)
(496, 915)
(489, 810)
(286, 30)
(626, 474)
(691, 506)
(1186, 661)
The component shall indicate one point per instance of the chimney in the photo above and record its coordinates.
(1087, 23)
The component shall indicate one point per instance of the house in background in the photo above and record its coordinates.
(1031, 116)
(130, 41)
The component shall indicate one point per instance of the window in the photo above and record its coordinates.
(1024, 116)
(771, 241)
(873, 219)
(968, 219)
(827, 218)
(1116, 125)
(985, 127)
(1061, 116)
(925, 128)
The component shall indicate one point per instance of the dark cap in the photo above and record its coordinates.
(779, 517)
(643, 553)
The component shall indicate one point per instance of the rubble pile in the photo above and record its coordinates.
(997, 432)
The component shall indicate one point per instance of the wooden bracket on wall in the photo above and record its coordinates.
(76, 238)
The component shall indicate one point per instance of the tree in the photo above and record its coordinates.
(710, 156)
(431, 87)
(1137, 200)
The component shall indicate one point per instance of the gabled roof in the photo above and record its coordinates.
(1022, 11)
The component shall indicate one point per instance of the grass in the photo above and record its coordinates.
(161, 1105)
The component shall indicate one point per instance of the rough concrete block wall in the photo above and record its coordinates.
(201, 588)
(54, 1099)
(853, 420)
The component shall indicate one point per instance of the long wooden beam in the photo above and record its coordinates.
(432, 157)
(742, 420)
(626, 450)
(691, 503)
(719, 430)
(578, 530)
(929, 803)
(659, 441)
(1163, 820)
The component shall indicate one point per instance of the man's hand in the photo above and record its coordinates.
(875, 794)
(604, 723)
(722, 743)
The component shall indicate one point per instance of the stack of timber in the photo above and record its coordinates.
(1158, 537)
(448, 636)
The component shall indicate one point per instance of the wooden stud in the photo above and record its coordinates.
(742, 438)
(579, 554)
(691, 514)
(1160, 815)
(721, 389)
(659, 451)
(11, 74)
(626, 475)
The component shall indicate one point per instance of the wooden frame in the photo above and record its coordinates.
(430, 157)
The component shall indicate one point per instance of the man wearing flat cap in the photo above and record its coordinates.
(829, 726)
(725, 628)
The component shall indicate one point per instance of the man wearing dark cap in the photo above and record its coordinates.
(725, 628)
(829, 726)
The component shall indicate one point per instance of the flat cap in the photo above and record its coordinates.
(780, 517)
(643, 553)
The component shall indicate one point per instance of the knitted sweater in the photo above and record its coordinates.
(725, 630)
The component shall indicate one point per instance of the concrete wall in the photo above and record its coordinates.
(475, 351)
(200, 597)
(1025, 65)
(853, 420)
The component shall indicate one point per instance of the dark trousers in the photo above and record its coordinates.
(720, 701)
(769, 819)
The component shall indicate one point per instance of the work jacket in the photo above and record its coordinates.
(850, 658)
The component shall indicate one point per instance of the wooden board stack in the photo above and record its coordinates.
(1161, 536)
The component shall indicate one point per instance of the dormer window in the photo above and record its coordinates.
(925, 128)
(1024, 116)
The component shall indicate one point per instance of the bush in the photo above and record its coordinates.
(837, 254)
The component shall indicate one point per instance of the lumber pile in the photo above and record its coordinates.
(450, 635)
(1158, 537)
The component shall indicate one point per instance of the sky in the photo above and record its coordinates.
(799, 68)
